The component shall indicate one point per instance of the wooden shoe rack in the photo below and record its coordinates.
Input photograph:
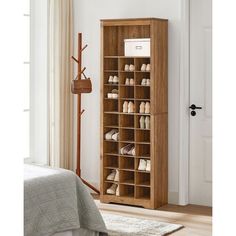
(148, 189)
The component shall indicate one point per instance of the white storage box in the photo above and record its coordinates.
(137, 47)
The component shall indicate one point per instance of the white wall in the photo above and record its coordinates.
(87, 15)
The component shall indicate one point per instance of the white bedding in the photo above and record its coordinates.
(56, 200)
(78, 232)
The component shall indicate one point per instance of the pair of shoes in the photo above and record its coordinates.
(144, 122)
(145, 67)
(114, 190)
(113, 94)
(129, 67)
(144, 165)
(145, 82)
(144, 107)
(113, 79)
(112, 135)
(114, 176)
(128, 107)
(129, 81)
(128, 150)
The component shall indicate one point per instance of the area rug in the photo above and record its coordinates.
(118, 225)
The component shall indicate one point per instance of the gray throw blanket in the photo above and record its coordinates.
(56, 200)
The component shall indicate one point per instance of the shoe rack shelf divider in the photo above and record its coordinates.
(138, 188)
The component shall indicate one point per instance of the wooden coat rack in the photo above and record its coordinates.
(79, 86)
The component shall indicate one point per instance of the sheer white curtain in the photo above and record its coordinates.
(60, 75)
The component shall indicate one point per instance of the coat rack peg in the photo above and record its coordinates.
(81, 113)
(82, 72)
(84, 47)
(75, 59)
(85, 76)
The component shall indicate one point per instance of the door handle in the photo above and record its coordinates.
(193, 107)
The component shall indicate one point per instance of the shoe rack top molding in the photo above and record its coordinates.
(133, 21)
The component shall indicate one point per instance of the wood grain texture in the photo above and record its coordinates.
(140, 188)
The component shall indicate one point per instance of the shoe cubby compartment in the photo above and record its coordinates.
(142, 179)
(125, 61)
(127, 163)
(126, 92)
(127, 135)
(107, 74)
(140, 61)
(126, 190)
(122, 100)
(111, 64)
(142, 150)
(111, 105)
(137, 162)
(137, 121)
(142, 193)
(108, 129)
(124, 144)
(142, 93)
(126, 121)
(108, 89)
(127, 177)
(137, 106)
(123, 77)
(139, 76)
(142, 136)
(111, 120)
(111, 147)
(111, 161)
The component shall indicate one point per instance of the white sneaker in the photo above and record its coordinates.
(147, 108)
(108, 135)
(142, 107)
(131, 67)
(147, 122)
(115, 136)
(115, 80)
(114, 95)
(112, 189)
(117, 176)
(131, 82)
(148, 167)
(110, 80)
(110, 95)
(148, 68)
(148, 82)
(142, 164)
(124, 150)
(143, 67)
(131, 152)
(118, 191)
(131, 107)
(111, 176)
(125, 107)
(127, 81)
(142, 122)
(144, 82)
(126, 67)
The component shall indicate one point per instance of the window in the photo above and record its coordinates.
(26, 81)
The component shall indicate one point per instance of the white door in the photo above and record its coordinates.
(201, 96)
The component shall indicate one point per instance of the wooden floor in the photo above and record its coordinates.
(197, 220)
